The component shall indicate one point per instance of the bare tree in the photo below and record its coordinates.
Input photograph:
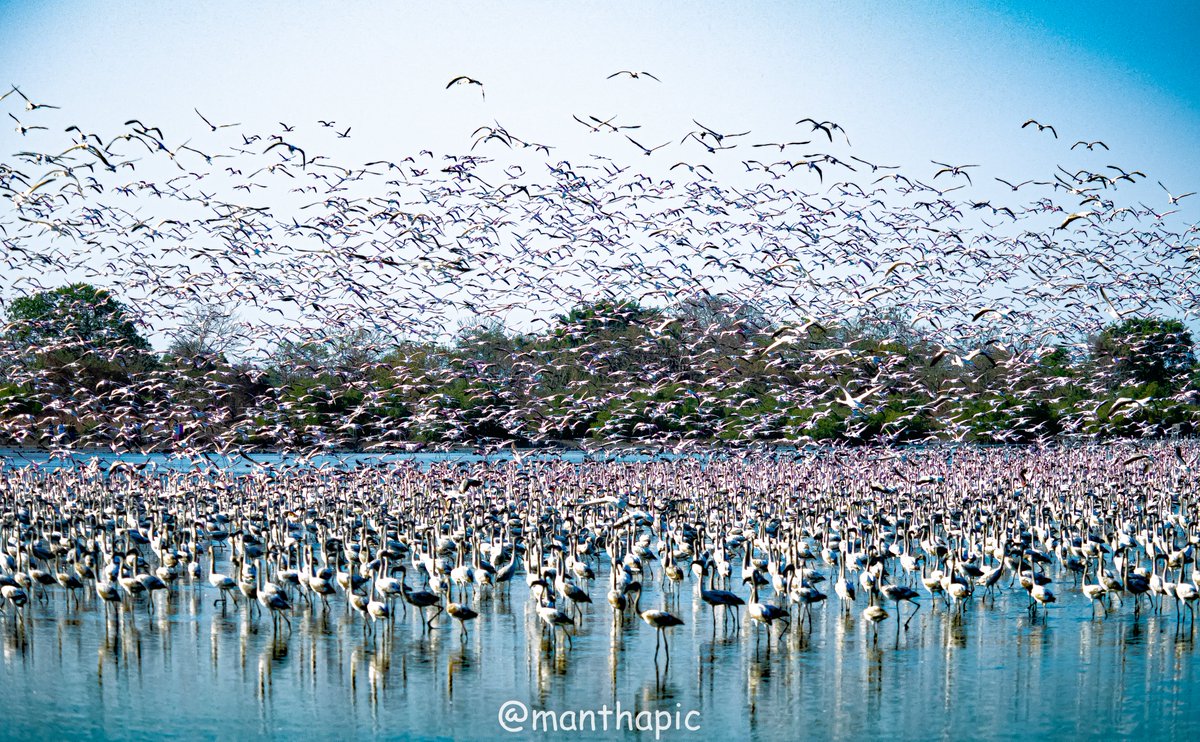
(208, 330)
(718, 312)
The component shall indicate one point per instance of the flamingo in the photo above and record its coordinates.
(661, 621)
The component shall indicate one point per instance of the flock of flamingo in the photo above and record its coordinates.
(884, 533)
(304, 244)
(402, 248)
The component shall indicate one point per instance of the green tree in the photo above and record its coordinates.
(606, 316)
(1145, 351)
(76, 315)
(74, 346)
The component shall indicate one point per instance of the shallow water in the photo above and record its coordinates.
(241, 464)
(192, 671)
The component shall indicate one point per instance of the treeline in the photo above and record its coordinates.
(79, 371)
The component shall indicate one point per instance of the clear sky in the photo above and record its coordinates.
(909, 81)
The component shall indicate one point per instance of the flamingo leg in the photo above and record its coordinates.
(910, 616)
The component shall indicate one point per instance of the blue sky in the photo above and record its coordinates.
(909, 81)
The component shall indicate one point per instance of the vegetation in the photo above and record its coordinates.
(612, 370)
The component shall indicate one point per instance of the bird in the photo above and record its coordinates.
(825, 127)
(1173, 200)
(211, 125)
(876, 615)
(1042, 595)
(1014, 186)
(723, 598)
(1095, 593)
(1183, 460)
(1042, 127)
(764, 613)
(378, 611)
(278, 604)
(29, 104)
(1188, 594)
(646, 150)
(554, 618)
(462, 614)
(388, 588)
(953, 170)
(842, 587)
(71, 583)
(464, 80)
(109, 593)
(15, 595)
(989, 579)
(898, 593)
(595, 125)
(661, 620)
(1075, 217)
(633, 75)
(715, 135)
(292, 149)
(421, 599)
(24, 129)
(692, 168)
(1135, 458)
(855, 402)
(781, 145)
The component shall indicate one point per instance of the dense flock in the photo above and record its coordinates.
(766, 282)
(764, 539)
(762, 287)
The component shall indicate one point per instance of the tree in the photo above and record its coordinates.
(720, 312)
(1057, 362)
(207, 330)
(76, 315)
(606, 316)
(1145, 351)
(294, 360)
(73, 349)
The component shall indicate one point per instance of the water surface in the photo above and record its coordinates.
(191, 671)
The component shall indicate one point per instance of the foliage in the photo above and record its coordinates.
(1144, 351)
(706, 369)
(75, 315)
